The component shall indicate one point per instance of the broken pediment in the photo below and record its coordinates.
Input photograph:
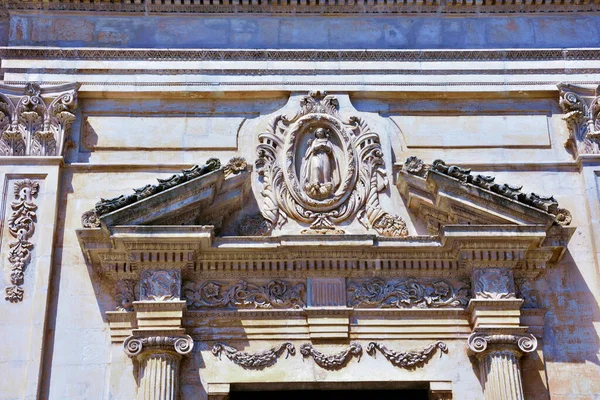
(201, 195)
(443, 195)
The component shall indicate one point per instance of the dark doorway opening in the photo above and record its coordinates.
(330, 394)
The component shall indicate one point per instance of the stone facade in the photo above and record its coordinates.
(201, 199)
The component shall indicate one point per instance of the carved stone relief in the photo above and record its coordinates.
(548, 204)
(274, 294)
(411, 359)
(494, 283)
(134, 346)
(35, 124)
(479, 342)
(332, 361)
(160, 285)
(318, 169)
(582, 108)
(531, 297)
(126, 292)
(21, 225)
(257, 360)
(407, 293)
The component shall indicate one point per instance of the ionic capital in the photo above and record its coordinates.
(182, 344)
(483, 342)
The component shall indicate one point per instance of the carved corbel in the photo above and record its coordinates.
(36, 121)
(582, 108)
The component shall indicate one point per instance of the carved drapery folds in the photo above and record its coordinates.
(582, 108)
(36, 121)
(332, 361)
(257, 360)
(407, 293)
(274, 294)
(410, 359)
(318, 169)
(21, 225)
(547, 204)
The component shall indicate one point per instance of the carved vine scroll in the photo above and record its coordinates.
(258, 360)
(21, 226)
(332, 361)
(411, 359)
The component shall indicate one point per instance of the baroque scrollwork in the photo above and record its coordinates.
(547, 204)
(581, 114)
(407, 293)
(91, 218)
(479, 342)
(274, 294)
(258, 360)
(410, 359)
(160, 285)
(33, 124)
(332, 361)
(318, 169)
(21, 225)
(134, 345)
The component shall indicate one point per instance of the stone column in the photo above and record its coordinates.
(159, 358)
(498, 355)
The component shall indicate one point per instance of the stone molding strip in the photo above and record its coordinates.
(303, 6)
(296, 55)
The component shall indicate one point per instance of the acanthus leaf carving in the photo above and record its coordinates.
(126, 292)
(410, 359)
(21, 225)
(318, 169)
(407, 293)
(274, 294)
(35, 124)
(257, 360)
(332, 361)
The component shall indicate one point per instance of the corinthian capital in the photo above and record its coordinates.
(181, 344)
(35, 121)
(481, 342)
(581, 106)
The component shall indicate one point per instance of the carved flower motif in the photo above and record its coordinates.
(414, 165)
(441, 289)
(236, 165)
(211, 290)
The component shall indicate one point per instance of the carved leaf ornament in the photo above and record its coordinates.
(321, 170)
(258, 360)
(410, 359)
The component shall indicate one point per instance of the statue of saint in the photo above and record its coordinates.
(320, 173)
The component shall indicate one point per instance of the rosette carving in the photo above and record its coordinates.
(332, 361)
(34, 124)
(410, 359)
(274, 294)
(321, 170)
(258, 360)
(407, 293)
(134, 346)
(479, 342)
(21, 226)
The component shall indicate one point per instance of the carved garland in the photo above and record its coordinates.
(21, 226)
(354, 156)
(30, 127)
(407, 293)
(274, 294)
(332, 361)
(258, 360)
(411, 359)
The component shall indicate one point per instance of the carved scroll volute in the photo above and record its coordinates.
(321, 170)
(36, 122)
(582, 108)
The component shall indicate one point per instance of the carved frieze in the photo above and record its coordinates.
(410, 359)
(494, 283)
(257, 360)
(547, 204)
(321, 170)
(407, 293)
(160, 285)
(21, 226)
(274, 294)
(332, 361)
(36, 122)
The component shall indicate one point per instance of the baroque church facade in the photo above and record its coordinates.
(248, 199)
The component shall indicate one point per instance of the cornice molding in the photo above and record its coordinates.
(327, 6)
(312, 55)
